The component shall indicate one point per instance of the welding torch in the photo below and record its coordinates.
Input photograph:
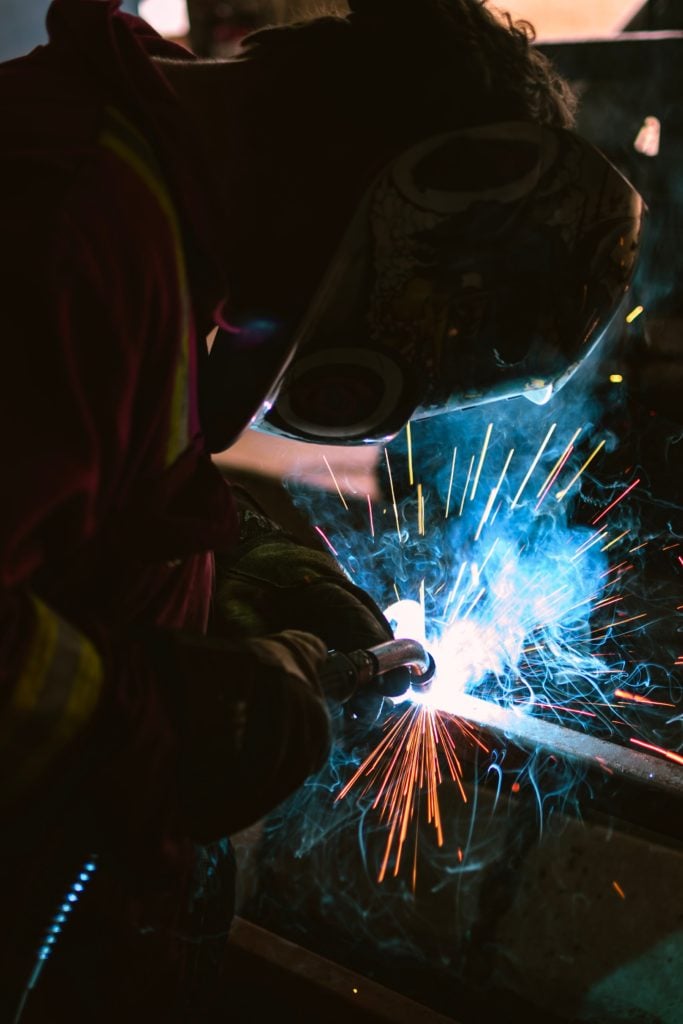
(342, 675)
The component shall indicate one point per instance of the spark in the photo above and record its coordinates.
(334, 480)
(492, 496)
(486, 560)
(615, 502)
(560, 494)
(613, 568)
(670, 754)
(532, 467)
(393, 496)
(450, 482)
(632, 551)
(558, 465)
(552, 479)
(328, 542)
(634, 314)
(409, 438)
(607, 601)
(415, 755)
(564, 707)
(533, 617)
(618, 890)
(467, 483)
(623, 622)
(420, 512)
(480, 465)
(616, 540)
(451, 596)
(638, 699)
(370, 517)
(595, 539)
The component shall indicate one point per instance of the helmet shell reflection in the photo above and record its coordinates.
(481, 264)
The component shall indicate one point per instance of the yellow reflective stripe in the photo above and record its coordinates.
(37, 664)
(123, 139)
(52, 700)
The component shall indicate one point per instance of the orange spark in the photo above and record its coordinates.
(670, 754)
(636, 697)
(412, 758)
(616, 501)
(334, 480)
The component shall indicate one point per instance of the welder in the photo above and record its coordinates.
(384, 215)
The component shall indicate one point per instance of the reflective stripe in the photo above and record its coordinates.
(121, 137)
(51, 702)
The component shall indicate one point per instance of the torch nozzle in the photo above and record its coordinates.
(405, 654)
(343, 674)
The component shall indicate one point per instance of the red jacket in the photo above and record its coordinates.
(110, 513)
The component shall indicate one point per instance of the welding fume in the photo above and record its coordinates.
(386, 215)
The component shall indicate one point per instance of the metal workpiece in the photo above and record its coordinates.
(267, 977)
(625, 784)
(530, 733)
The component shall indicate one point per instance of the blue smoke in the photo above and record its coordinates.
(486, 558)
(527, 601)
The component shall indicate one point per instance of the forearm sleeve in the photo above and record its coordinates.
(252, 724)
(191, 734)
(52, 677)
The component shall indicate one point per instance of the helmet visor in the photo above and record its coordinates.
(481, 264)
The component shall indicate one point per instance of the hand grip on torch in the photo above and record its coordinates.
(343, 674)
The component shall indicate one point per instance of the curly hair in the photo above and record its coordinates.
(334, 99)
(417, 67)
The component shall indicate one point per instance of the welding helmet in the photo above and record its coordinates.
(480, 264)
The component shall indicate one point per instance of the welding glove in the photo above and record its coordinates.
(270, 582)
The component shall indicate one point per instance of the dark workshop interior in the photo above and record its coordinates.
(504, 844)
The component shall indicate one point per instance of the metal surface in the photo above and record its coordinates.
(624, 784)
(270, 978)
(403, 654)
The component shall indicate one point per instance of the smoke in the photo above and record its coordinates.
(528, 589)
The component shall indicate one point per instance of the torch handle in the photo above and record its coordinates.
(343, 674)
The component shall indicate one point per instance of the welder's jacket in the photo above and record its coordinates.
(109, 512)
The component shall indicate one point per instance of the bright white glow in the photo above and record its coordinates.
(539, 396)
(648, 138)
(168, 17)
(526, 604)
(407, 620)
(567, 19)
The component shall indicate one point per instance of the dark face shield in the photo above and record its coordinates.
(481, 264)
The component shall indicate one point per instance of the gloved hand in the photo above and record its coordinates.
(270, 582)
(249, 721)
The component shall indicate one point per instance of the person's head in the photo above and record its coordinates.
(415, 216)
(329, 101)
